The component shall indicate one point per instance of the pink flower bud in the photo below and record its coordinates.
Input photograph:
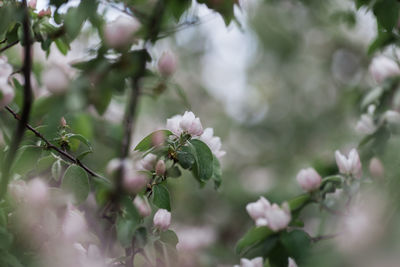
(134, 182)
(376, 168)
(44, 12)
(32, 4)
(167, 64)
(350, 165)
(309, 179)
(63, 122)
(120, 33)
(257, 209)
(160, 168)
(278, 218)
(37, 192)
(6, 95)
(162, 219)
(158, 139)
(291, 262)
(148, 162)
(382, 67)
(142, 205)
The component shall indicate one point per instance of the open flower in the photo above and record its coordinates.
(309, 179)
(382, 67)
(213, 142)
(366, 124)
(188, 123)
(350, 165)
(265, 214)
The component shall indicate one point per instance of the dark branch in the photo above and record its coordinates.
(8, 46)
(27, 103)
(49, 145)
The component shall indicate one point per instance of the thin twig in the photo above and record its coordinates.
(49, 145)
(8, 46)
(323, 237)
(27, 103)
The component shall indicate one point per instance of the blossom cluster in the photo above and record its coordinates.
(265, 214)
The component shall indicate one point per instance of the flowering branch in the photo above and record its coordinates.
(49, 145)
(27, 103)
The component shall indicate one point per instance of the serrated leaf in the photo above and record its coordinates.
(76, 182)
(173, 172)
(161, 197)
(147, 142)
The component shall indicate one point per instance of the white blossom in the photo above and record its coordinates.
(256, 262)
(366, 125)
(278, 218)
(350, 165)
(213, 142)
(291, 262)
(382, 67)
(120, 33)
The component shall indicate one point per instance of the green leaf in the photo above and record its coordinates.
(161, 197)
(387, 13)
(296, 243)
(253, 237)
(299, 202)
(44, 163)
(383, 39)
(203, 167)
(126, 228)
(169, 237)
(26, 159)
(147, 142)
(76, 182)
(80, 138)
(185, 157)
(62, 45)
(173, 172)
(217, 173)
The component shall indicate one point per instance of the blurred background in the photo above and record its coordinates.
(281, 85)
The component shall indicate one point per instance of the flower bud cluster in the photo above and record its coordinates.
(187, 123)
(350, 165)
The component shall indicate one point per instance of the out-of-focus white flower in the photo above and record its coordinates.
(277, 217)
(366, 124)
(148, 162)
(5, 69)
(162, 219)
(376, 168)
(382, 67)
(167, 64)
(74, 225)
(291, 262)
(160, 167)
(392, 116)
(37, 192)
(113, 166)
(17, 190)
(309, 179)
(55, 79)
(194, 238)
(257, 209)
(363, 223)
(188, 123)
(213, 142)
(32, 4)
(142, 205)
(350, 165)
(6, 94)
(120, 33)
(191, 124)
(256, 262)
(133, 181)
